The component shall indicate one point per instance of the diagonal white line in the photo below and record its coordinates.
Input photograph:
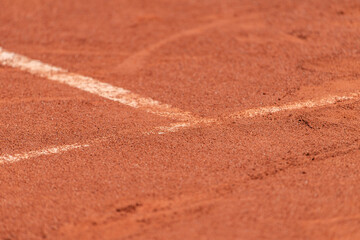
(7, 158)
(134, 100)
(92, 85)
(126, 97)
(32, 154)
(325, 101)
(175, 127)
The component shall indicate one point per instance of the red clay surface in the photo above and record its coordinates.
(290, 175)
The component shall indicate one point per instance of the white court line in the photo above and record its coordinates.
(172, 128)
(250, 113)
(330, 100)
(7, 158)
(32, 154)
(131, 99)
(325, 101)
(134, 100)
(91, 85)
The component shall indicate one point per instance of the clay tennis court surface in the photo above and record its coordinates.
(124, 119)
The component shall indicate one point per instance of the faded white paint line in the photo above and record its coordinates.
(128, 98)
(172, 128)
(326, 101)
(175, 127)
(32, 154)
(7, 158)
(91, 85)
(261, 111)
(134, 100)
